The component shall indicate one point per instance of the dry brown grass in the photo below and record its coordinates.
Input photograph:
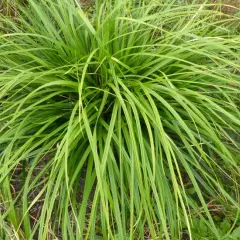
(8, 8)
(227, 6)
(230, 6)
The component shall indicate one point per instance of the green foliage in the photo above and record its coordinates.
(200, 231)
(121, 122)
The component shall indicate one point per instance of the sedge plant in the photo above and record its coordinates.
(119, 122)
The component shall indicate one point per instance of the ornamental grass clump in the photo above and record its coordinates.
(119, 122)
